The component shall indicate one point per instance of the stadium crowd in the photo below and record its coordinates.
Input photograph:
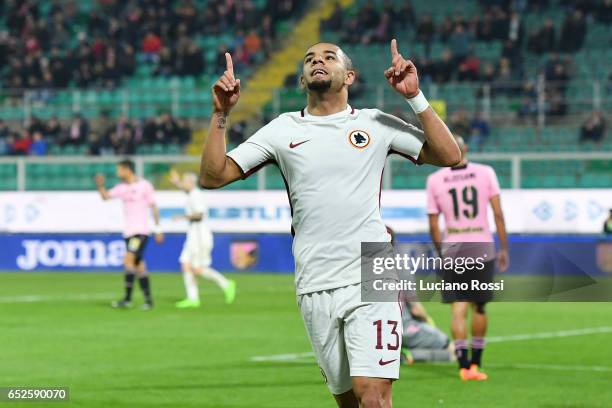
(104, 137)
(500, 21)
(65, 46)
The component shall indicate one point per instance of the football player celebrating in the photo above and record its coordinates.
(332, 156)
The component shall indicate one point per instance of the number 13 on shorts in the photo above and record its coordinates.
(391, 328)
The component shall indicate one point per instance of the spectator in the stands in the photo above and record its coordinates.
(53, 130)
(77, 131)
(8, 144)
(479, 130)
(405, 17)
(556, 103)
(512, 52)
(184, 132)
(95, 145)
(556, 73)
(469, 69)
(368, 16)
(36, 125)
(593, 129)
(151, 45)
(383, 32)
(460, 122)
(446, 28)
(124, 143)
(22, 145)
(237, 133)
(39, 145)
(5, 131)
(459, 43)
(504, 83)
(573, 32)
(190, 60)
(165, 63)
(425, 30)
(4, 147)
(444, 68)
(546, 38)
(163, 129)
(351, 33)
(528, 107)
(252, 42)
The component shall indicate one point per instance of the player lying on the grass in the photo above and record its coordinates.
(332, 156)
(421, 339)
(462, 194)
(137, 196)
(196, 257)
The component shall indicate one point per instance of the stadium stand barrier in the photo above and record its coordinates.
(515, 170)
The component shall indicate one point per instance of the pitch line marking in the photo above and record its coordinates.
(48, 298)
(299, 357)
(550, 335)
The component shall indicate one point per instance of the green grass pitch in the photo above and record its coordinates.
(57, 329)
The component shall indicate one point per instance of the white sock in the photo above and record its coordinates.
(191, 286)
(213, 275)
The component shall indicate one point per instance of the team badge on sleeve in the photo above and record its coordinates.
(359, 138)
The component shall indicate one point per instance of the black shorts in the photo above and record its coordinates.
(136, 245)
(486, 275)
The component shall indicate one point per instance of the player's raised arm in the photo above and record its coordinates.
(99, 179)
(216, 169)
(440, 148)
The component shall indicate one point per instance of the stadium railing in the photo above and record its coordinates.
(515, 170)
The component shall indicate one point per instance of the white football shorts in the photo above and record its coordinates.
(197, 250)
(351, 338)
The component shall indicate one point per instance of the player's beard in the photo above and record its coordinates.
(319, 86)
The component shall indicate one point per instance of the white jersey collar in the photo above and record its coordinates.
(346, 112)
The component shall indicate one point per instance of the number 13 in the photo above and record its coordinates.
(379, 324)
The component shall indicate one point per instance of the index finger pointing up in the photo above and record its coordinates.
(394, 48)
(229, 64)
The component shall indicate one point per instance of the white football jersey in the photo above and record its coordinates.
(196, 204)
(333, 168)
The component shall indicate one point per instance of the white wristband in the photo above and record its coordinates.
(418, 103)
(157, 229)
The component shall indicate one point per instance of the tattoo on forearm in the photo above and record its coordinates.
(221, 120)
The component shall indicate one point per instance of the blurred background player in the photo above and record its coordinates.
(462, 195)
(195, 257)
(137, 196)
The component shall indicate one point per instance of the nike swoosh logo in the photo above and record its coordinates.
(383, 363)
(294, 145)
